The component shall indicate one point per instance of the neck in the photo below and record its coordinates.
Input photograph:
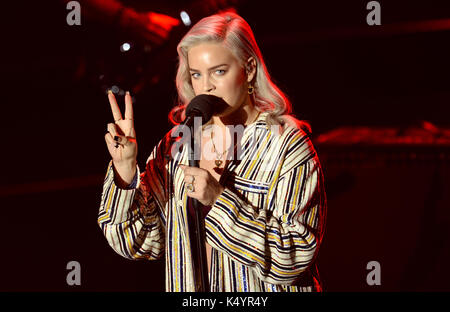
(245, 115)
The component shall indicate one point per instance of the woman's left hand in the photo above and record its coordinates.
(206, 188)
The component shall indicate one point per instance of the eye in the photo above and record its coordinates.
(220, 72)
(195, 75)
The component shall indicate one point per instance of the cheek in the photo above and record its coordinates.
(235, 86)
(195, 86)
(240, 80)
(239, 88)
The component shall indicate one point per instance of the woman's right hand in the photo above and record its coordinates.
(121, 139)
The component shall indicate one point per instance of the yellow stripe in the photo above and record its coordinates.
(296, 138)
(275, 181)
(108, 205)
(257, 156)
(130, 246)
(128, 235)
(312, 216)
(297, 188)
(275, 238)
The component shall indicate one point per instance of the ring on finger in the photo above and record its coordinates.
(190, 187)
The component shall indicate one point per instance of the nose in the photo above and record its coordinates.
(208, 86)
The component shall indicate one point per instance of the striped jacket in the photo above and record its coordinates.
(265, 228)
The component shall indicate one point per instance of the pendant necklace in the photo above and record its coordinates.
(219, 156)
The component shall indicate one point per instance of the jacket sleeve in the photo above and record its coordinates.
(133, 219)
(281, 239)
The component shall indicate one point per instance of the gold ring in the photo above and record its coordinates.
(190, 187)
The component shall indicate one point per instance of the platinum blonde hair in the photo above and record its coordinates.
(234, 32)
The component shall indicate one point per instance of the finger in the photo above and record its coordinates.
(193, 171)
(189, 178)
(191, 193)
(112, 129)
(114, 107)
(122, 140)
(110, 142)
(109, 139)
(132, 133)
(128, 107)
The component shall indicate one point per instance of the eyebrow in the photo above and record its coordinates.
(192, 69)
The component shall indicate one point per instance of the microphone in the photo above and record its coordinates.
(204, 106)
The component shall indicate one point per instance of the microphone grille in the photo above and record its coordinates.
(203, 105)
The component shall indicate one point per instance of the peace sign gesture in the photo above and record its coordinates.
(121, 138)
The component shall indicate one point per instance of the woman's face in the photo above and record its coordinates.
(214, 70)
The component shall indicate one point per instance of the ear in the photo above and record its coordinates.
(250, 68)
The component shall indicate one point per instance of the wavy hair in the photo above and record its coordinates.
(234, 32)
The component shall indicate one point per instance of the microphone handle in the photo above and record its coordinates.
(201, 275)
(188, 121)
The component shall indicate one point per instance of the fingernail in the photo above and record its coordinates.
(128, 92)
(116, 138)
(110, 91)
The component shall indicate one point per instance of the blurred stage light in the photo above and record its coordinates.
(185, 18)
(125, 47)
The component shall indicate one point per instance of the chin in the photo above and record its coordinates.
(232, 113)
